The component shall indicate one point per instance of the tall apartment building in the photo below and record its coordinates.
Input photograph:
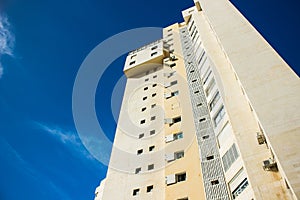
(210, 111)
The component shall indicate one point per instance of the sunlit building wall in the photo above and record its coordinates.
(209, 112)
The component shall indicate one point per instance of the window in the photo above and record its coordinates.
(210, 86)
(141, 135)
(140, 151)
(143, 121)
(196, 92)
(138, 170)
(133, 56)
(199, 104)
(214, 182)
(192, 71)
(180, 177)
(144, 98)
(219, 116)
(207, 76)
(135, 192)
(193, 81)
(154, 94)
(152, 132)
(169, 30)
(177, 119)
(152, 118)
(145, 88)
(172, 94)
(150, 167)
(183, 198)
(143, 109)
(149, 188)
(132, 62)
(151, 148)
(155, 47)
(153, 105)
(169, 35)
(175, 93)
(209, 157)
(155, 76)
(179, 154)
(147, 79)
(205, 137)
(177, 136)
(202, 119)
(171, 84)
(154, 53)
(230, 157)
(173, 65)
(154, 85)
(241, 187)
(214, 100)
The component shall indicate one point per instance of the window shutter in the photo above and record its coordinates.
(170, 157)
(169, 138)
(170, 179)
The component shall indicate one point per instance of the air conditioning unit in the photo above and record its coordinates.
(270, 165)
(260, 138)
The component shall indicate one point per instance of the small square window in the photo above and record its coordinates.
(173, 65)
(140, 151)
(145, 88)
(202, 119)
(205, 137)
(143, 121)
(181, 177)
(149, 188)
(141, 135)
(154, 94)
(153, 118)
(133, 56)
(151, 148)
(209, 157)
(193, 81)
(144, 98)
(155, 76)
(150, 167)
(138, 170)
(153, 105)
(135, 192)
(177, 136)
(155, 47)
(152, 132)
(143, 109)
(154, 53)
(154, 85)
(179, 154)
(177, 119)
(196, 92)
(215, 182)
(131, 63)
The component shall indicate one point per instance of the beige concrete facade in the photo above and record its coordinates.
(207, 72)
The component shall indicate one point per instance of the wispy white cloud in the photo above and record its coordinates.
(67, 137)
(7, 39)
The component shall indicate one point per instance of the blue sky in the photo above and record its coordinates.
(42, 45)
